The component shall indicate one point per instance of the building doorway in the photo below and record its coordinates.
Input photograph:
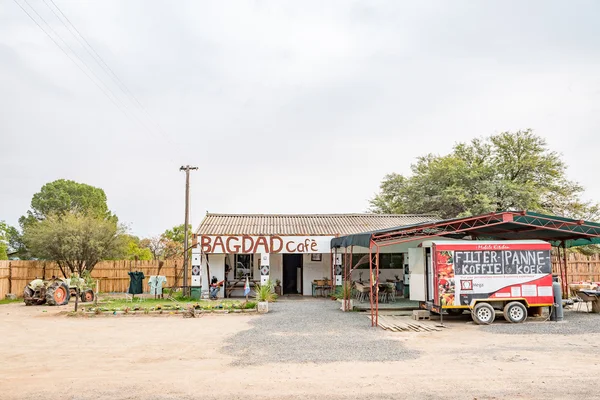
(292, 274)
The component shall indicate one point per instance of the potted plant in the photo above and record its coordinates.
(277, 287)
(264, 294)
(347, 294)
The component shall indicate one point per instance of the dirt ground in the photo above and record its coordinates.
(46, 355)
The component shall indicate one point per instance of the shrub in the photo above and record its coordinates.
(249, 305)
(265, 292)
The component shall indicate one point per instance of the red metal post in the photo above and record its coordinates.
(377, 288)
(349, 279)
(345, 275)
(566, 277)
(371, 282)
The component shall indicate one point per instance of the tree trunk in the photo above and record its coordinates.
(76, 297)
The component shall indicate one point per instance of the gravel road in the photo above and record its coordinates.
(575, 323)
(313, 331)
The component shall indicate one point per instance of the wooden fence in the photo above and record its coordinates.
(111, 275)
(579, 267)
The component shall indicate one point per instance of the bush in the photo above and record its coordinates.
(265, 292)
(249, 305)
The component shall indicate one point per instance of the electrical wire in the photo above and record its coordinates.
(70, 48)
(100, 61)
(69, 57)
(104, 88)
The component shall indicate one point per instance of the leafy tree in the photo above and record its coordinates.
(77, 242)
(59, 198)
(63, 196)
(134, 249)
(3, 241)
(177, 233)
(156, 246)
(507, 171)
(173, 240)
(11, 242)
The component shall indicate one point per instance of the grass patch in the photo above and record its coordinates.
(142, 305)
(8, 301)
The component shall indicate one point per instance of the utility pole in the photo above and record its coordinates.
(187, 170)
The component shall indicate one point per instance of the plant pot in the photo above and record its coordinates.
(343, 307)
(278, 290)
(263, 307)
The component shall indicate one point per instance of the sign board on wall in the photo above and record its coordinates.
(265, 244)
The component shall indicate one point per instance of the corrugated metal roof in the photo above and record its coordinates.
(304, 224)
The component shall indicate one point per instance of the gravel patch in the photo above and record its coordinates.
(313, 331)
(575, 323)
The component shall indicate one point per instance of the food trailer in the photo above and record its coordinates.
(482, 276)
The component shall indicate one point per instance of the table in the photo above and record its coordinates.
(596, 303)
(324, 288)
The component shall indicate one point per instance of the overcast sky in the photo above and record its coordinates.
(286, 107)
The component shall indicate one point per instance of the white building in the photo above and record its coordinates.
(292, 249)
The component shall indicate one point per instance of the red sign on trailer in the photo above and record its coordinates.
(466, 273)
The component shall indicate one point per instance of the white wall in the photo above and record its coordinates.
(313, 270)
(217, 268)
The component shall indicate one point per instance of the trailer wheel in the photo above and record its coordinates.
(515, 312)
(483, 314)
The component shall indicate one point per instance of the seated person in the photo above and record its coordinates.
(215, 286)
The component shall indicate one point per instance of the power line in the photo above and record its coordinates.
(100, 84)
(70, 58)
(104, 88)
(100, 61)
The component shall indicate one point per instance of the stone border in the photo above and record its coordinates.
(172, 312)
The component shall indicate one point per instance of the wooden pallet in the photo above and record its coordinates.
(406, 324)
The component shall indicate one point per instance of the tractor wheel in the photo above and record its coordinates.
(483, 314)
(28, 296)
(515, 312)
(58, 294)
(87, 296)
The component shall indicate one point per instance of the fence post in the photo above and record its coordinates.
(9, 277)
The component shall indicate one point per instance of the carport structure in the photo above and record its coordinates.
(561, 232)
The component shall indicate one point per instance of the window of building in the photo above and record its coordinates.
(243, 266)
(386, 260)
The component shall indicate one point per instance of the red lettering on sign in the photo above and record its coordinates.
(261, 241)
(313, 246)
(287, 246)
(205, 244)
(232, 248)
(219, 242)
(247, 244)
(279, 244)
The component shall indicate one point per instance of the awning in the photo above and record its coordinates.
(506, 225)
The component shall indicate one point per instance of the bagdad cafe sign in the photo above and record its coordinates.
(265, 244)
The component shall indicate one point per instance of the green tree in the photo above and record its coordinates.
(173, 240)
(77, 242)
(134, 249)
(507, 171)
(63, 196)
(156, 246)
(3, 241)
